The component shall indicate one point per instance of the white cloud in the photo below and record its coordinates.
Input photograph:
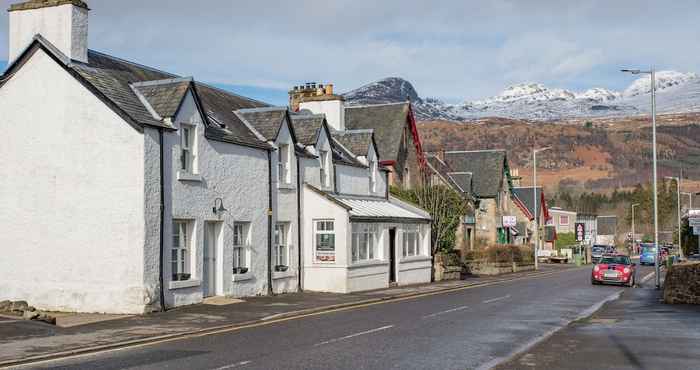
(452, 49)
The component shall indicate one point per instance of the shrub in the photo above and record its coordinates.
(502, 254)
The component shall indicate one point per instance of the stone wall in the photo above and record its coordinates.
(682, 284)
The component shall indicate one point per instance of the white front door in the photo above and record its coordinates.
(211, 251)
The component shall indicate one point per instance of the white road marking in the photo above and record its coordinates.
(354, 335)
(497, 299)
(446, 311)
(237, 364)
(647, 277)
(9, 321)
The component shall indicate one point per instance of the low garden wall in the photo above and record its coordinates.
(682, 283)
(499, 259)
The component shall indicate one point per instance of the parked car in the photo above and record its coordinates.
(647, 254)
(614, 269)
(597, 252)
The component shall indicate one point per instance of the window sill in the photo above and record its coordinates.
(285, 186)
(184, 284)
(368, 264)
(419, 258)
(283, 274)
(186, 176)
(242, 277)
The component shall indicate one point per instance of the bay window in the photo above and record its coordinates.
(364, 242)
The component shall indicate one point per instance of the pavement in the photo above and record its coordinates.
(637, 331)
(28, 341)
(470, 326)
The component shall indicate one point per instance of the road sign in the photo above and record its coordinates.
(580, 232)
(694, 212)
(694, 221)
(696, 230)
(509, 221)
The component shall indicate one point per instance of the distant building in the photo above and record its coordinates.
(606, 230)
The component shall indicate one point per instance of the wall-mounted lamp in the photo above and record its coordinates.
(219, 209)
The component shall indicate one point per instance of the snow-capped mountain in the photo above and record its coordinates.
(676, 93)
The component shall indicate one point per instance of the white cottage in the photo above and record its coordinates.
(355, 236)
(127, 189)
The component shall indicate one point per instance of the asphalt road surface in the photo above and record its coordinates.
(468, 329)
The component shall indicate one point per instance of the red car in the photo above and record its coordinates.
(614, 269)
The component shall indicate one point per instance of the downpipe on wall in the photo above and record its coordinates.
(161, 251)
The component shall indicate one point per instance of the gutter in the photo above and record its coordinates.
(299, 267)
(161, 250)
(269, 224)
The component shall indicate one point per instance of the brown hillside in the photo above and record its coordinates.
(591, 155)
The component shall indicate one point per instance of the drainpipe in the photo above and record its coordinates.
(161, 251)
(299, 267)
(269, 224)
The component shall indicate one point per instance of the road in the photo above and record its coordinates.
(472, 328)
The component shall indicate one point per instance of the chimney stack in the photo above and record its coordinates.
(319, 99)
(64, 23)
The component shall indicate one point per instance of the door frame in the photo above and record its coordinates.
(212, 257)
(393, 275)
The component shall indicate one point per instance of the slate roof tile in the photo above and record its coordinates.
(486, 166)
(388, 122)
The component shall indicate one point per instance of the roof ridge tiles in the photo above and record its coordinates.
(166, 81)
(376, 105)
(131, 62)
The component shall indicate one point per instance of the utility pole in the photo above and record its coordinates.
(535, 201)
(657, 259)
(678, 203)
(634, 239)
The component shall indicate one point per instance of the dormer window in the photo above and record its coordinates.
(187, 157)
(325, 178)
(283, 164)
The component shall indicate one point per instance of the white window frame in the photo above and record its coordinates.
(323, 156)
(280, 248)
(561, 223)
(373, 176)
(188, 148)
(181, 248)
(241, 245)
(325, 230)
(363, 247)
(283, 160)
(411, 245)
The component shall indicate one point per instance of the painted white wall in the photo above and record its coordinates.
(324, 276)
(238, 175)
(285, 210)
(71, 198)
(333, 109)
(65, 26)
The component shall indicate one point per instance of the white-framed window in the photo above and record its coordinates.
(325, 178)
(364, 242)
(411, 241)
(280, 249)
(187, 148)
(180, 251)
(241, 245)
(372, 176)
(324, 241)
(563, 220)
(406, 178)
(283, 164)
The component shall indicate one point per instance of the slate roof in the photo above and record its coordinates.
(463, 180)
(342, 155)
(357, 141)
(388, 122)
(307, 127)
(486, 166)
(165, 97)
(267, 121)
(118, 83)
(525, 194)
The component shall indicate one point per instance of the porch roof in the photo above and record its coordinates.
(382, 210)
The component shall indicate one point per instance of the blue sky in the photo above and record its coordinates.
(452, 49)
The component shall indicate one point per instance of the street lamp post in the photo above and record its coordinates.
(652, 74)
(690, 198)
(678, 198)
(534, 198)
(634, 240)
